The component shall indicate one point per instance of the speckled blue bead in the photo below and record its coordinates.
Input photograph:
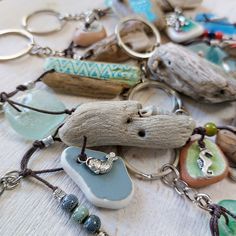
(92, 224)
(69, 202)
(80, 214)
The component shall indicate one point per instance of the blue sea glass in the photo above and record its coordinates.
(31, 124)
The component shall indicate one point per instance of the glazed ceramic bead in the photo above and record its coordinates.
(211, 129)
(92, 224)
(69, 202)
(80, 214)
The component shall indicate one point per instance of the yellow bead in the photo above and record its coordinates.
(211, 129)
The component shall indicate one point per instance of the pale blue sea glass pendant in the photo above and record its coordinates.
(111, 189)
(31, 124)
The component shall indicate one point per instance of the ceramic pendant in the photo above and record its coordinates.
(181, 29)
(230, 229)
(200, 168)
(31, 124)
(85, 37)
(226, 140)
(87, 78)
(213, 54)
(111, 189)
(214, 24)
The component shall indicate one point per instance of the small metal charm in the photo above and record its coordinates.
(98, 166)
(59, 194)
(177, 20)
(204, 162)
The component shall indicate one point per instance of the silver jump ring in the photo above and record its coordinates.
(58, 16)
(129, 51)
(23, 51)
(153, 176)
(176, 100)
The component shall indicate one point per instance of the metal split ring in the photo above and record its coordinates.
(176, 100)
(128, 50)
(23, 51)
(57, 15)
(151, 176)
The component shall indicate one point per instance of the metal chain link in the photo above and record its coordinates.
(173, 180)
(45, 51)
(10, 181)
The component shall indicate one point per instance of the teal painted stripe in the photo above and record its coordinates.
(105, 71)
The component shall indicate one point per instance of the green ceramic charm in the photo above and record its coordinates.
(31, 124)
(98, 70)
(230, 229)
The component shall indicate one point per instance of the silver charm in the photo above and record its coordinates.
(98, 166)
(204, 162)
(177, 20)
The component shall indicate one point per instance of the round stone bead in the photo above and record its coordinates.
(211, 129)
(92, 224)
(80, 214)
(69, 202)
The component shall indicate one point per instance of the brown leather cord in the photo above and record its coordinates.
(226, 128)
(82, 156)
(201, 131)
(26, 172)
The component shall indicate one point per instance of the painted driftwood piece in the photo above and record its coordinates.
(149, 9)
(226, 140)
(192, 75)
(183, 4)
(119, 123)
(93, 79)
(134, 34)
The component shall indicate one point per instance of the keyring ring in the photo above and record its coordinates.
(152, 176)
(176, 100)
(26, 19)
(129, 51)
(23, 51)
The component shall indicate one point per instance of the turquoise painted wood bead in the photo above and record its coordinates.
(92, 224)
(80, 214)
(69, 202)
(34, 125)
(230, 229)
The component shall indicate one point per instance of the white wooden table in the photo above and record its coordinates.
(155, 209)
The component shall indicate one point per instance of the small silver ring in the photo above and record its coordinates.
(26, 19)
(129, 51)
(23, 51)
(177, 102)
(153, 176)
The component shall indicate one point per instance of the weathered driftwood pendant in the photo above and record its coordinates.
(87, 78)
(113, 190)
(134, 34)
(119, 123)
(226, 140)
(213, 168)
(192, 75)
(183, 4)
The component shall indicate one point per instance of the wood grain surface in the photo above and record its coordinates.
(30, 210)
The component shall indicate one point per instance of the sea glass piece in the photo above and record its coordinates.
(113, 190)
(31, 124)
(213, 54)
(230, 229)
(190, 171)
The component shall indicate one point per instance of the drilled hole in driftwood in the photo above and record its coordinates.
(129, 120)
(141, 133)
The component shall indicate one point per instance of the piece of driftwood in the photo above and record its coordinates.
(226, 140)
(183, 4)
(151, 10)
(119, 123)
(134, 34)
(90, 79)
(192, 75)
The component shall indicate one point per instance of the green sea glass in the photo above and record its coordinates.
(213, 54)
(228, 230)
(31, 124)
